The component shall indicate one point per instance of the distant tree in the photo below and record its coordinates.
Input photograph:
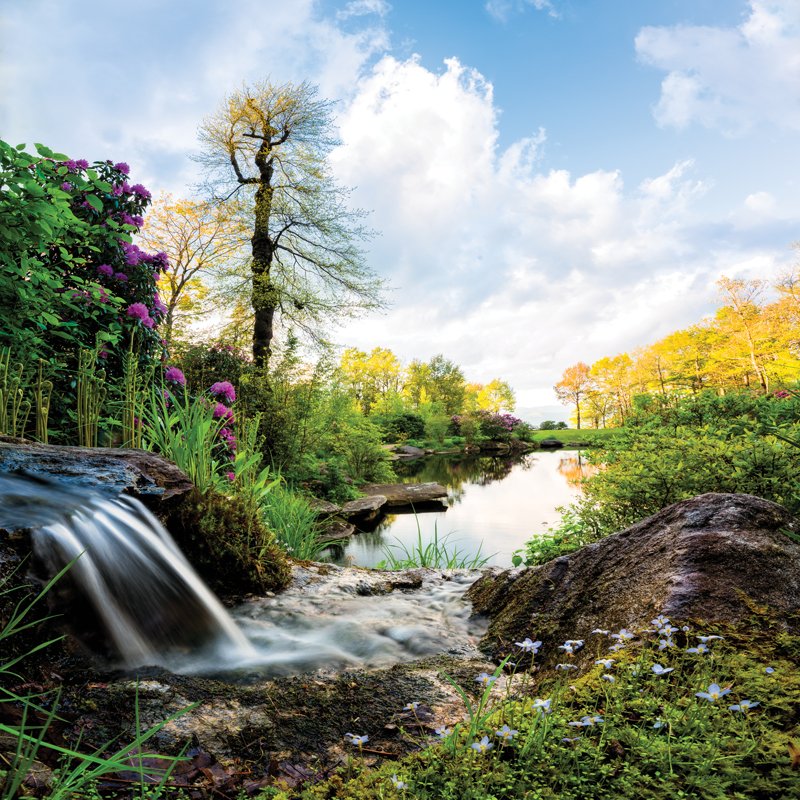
(446, 384)
(201, 240)
(547, 425)
(271, 143)
(370, 378)
(573, 386)
(494, 396)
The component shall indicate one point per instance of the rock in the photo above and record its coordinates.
(150, 478)
(408, 496)
(551, 444)
(365, 509)
(324, 508)
(338, 529)
(703, 560)
(409, 451)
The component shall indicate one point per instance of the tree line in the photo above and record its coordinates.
(751, 342)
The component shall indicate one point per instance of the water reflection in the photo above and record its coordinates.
(496, 502)
(575, 468)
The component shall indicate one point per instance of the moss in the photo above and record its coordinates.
(229, 546)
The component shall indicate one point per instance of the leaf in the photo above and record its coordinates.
(95, 202)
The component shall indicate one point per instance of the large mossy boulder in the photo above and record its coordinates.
(715, 558)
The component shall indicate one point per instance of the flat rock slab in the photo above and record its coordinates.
(146, 476)
(707, 559)
(408, 496)
(325, 508)
(337, 530)
(365, 509)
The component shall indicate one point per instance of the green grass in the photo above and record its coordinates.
(573, 436)
(438, 553)
(78, 771)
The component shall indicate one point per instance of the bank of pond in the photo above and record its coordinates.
(494, 504)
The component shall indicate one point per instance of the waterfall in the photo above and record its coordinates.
(154, 606)
(156, 610)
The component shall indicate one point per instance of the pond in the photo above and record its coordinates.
(494, 503)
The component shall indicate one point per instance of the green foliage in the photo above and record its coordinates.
(438, 553)
(672, 449)
(570, 534)
(205, 364)
(357, 441)
(62, 220)
(294, 522)
(400, 426)
(552, 425)
(185, 430)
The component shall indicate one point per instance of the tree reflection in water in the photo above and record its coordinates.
(576, 469)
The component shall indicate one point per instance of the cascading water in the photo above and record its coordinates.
(154, 606)
(157, 611)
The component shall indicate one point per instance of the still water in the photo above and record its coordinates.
(494, 503)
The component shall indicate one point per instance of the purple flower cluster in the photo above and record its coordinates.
(223, 389)
(142, 313)
(174, 375)
(221, 411)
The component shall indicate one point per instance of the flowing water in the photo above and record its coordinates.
(157, 611)
(494, 504)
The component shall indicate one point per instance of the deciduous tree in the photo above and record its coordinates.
(270, 143)
(573, 386)
(202, 239)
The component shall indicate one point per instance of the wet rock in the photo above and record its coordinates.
(705, 559)
(551, 444)
(150, 478)
(324, 508)
(365, 509)
(337, 530)
(408, 496)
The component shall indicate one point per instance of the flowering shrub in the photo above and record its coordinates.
(492, 425)
(70, 277)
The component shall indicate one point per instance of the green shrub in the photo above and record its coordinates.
(399, 427)
(674, 449)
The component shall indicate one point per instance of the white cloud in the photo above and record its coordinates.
(509, 270)
(729, 78)
(143, 100)
(503, 9)
(360, 8)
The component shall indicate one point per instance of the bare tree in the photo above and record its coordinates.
(271, 144)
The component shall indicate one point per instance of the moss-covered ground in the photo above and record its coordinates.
(645, 734)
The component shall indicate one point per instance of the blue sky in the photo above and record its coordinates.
(553, 181)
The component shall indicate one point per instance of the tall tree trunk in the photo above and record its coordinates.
(264, 295)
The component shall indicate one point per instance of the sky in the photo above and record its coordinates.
(551, 181)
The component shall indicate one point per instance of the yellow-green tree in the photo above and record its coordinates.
(267, 146)
(573, 387)
(370, 379)
(203, 241)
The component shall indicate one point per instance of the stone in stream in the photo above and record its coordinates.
(365, 509)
